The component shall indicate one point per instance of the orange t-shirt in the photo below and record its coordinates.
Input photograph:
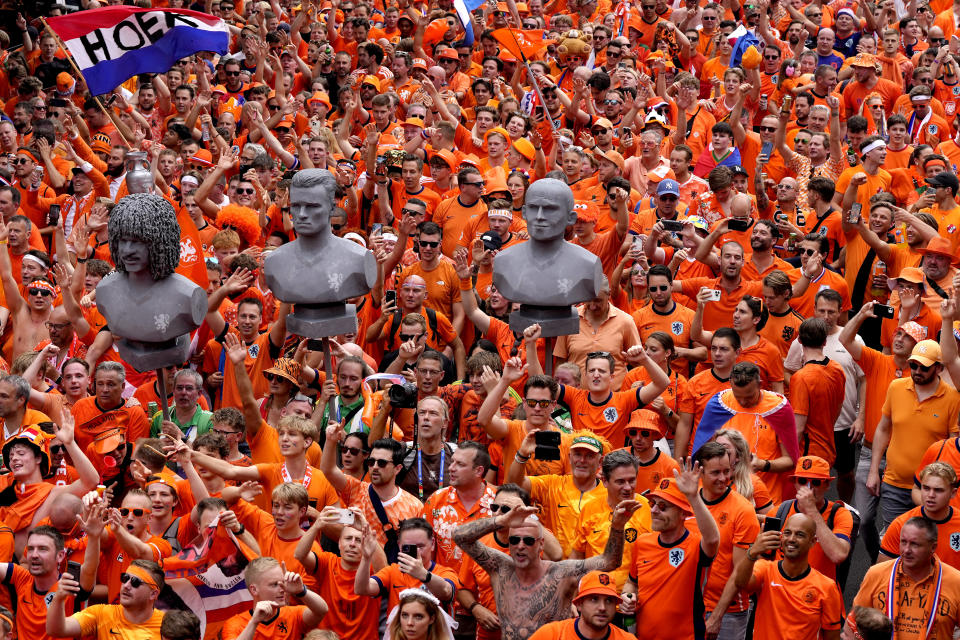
(805, 605)
(287, 625)
(676, 323)
(350, 615)
(115, 561)
(649, 474)
(92, 420)
(262, 527)
(453, 217)
(948, 530)
(820, 383)
(392, 581)
(879, 370)
(608, 419)
(766, 356)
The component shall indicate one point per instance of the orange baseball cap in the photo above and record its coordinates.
(864, 60)
(668, 490)
(812, 467)
(202, 157)
(596, 583)
(414, 121)
(286, 122)
(447, 156)
(373, 81)
(109, 440)
(525, 148)
(419, 63)
(64, 82)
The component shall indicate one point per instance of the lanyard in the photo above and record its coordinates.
(443, 454)
(307, 475)
(890, 596)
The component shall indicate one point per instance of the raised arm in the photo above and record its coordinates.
(488, 415)
(949, 311)
(328, 459)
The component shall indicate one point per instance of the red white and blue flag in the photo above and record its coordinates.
(112, 44)
(724, 412)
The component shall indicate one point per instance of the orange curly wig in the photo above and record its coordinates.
(243, 220)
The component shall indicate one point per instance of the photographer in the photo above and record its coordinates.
(399, 401)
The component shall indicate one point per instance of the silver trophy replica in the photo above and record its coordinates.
(151, 308)
(547, 275)
(318, 272)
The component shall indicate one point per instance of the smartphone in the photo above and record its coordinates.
(715, 295)
(766, 149)
(771, 523)
(854, 215)
(883, 310)
(312, 502)
(376, 227)
(390, 297)
(735, 224)
(315, 344)
(547, 438)
(112, 99)
(672, 225)
(53, 217)
(625, 131)
(410, 550)
(348, 517)
(73, 568)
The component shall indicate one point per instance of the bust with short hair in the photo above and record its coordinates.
(318, 271)
(547, 274)
(149, 306)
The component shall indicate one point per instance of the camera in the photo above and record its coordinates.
(403, 395)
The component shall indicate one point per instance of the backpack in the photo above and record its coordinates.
(784, 509)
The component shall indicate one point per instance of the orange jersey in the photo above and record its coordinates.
(739, 527)
(570, 630)
(948, 534)
(31, 605)
(805, 605)
(562, 503)
(676, 323)
(108, 622)
(673, 396)
(879, 370)
(700, 388)
(115, 561)
(820, 383)
(781, 329)
(593, 530)
(912, 600)
(608, 419)
(720, 313)
(260, 356)
(261, 526)
(392, 581)
(840, 521)
(350, 615)
(649, 474)
(766, 356)
(948, 451)
(92, 420)
(679, 569)
(286, 625)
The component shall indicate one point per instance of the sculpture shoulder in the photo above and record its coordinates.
(567, 253)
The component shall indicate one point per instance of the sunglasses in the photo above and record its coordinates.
(916, 366)
(232, 73)
(57, 449)
(282, 129)
(430, 244)
(337, 227)
(379, 462)
(248, 192)
(502, 508)
(644, 433)
(134, 581)
(475, 184)
(801, 140)
(39, 292)
(414, 212)
(813, 482)
(807, 252)
(660, 287)
(611, 102)
(224, 433)
(668, 197)
(23, 160)
(527, 540)
(273, 377)
(768, 129)
(599, 131)
(771, 57)
(354, 451)
(56, 114)
(406, 337)
(543, 404)
(136, 512)
(273, 107)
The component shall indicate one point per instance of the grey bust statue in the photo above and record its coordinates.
(318, 271)
(151, 308)
(547, 274)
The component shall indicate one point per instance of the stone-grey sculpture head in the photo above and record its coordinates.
(148, 219)
(548, 209)
(313, 194)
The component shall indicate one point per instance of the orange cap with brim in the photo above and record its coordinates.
(645, 420)
(812, 467)
(109, 440)
(669, 491)
(596, 583)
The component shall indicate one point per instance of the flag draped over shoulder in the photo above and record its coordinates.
(742, 39)
(773, 409)
(112, 44)
(522, 44)
(207, 578)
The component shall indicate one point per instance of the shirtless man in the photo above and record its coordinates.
(30, 315)
(529, 590)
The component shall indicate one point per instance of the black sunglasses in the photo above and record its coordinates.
(136, 512)
(414, 212)
(406, 337)
(813, 482)
(57, 449)
(134, 581)
(248, 192)
(430, 244)
(273, 377)
(543, 404)
(354, 451)
(527, 540)
(379, 462)
(644, 433)
(916, 366)
(502, 508)
(660, 287)
(232, 73)
(39, 292)
(807, 252)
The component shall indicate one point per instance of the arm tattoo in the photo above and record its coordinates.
(467, 537)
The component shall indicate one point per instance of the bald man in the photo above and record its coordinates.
(779, 585)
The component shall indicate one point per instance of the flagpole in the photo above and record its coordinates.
(80, 74)
(533, 81)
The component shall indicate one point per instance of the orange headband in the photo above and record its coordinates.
(934, 162)
(160, 480)
(26, 152)
(134, 570)
(7, 620)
